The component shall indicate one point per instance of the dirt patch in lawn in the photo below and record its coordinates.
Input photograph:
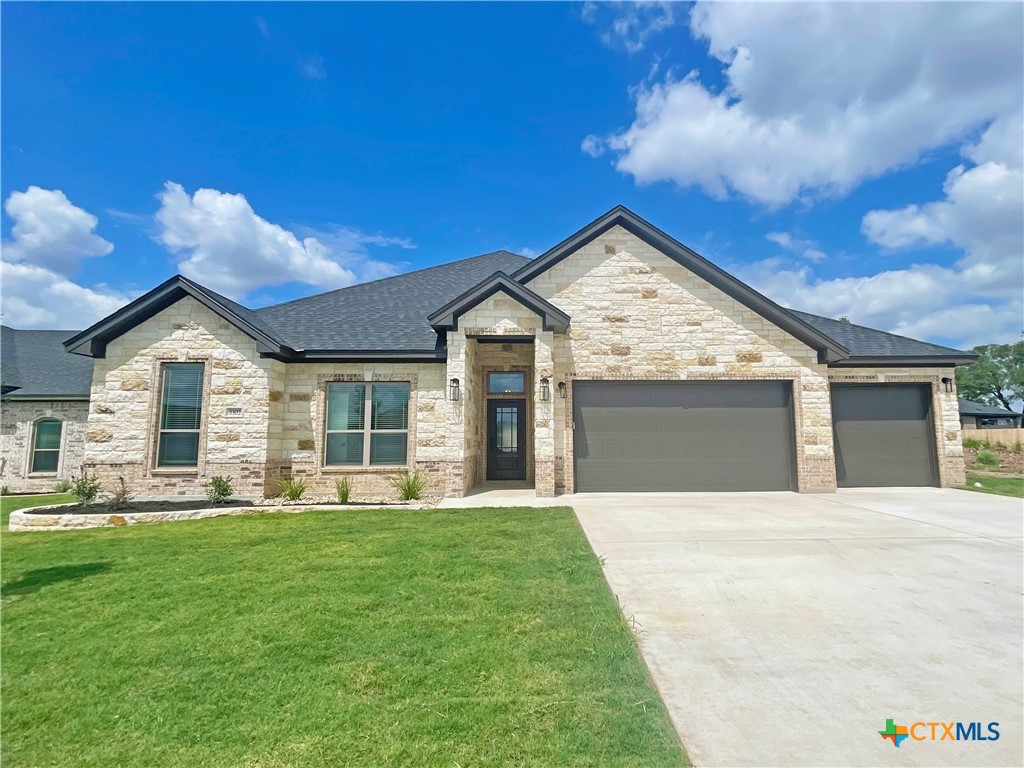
(1010, 461)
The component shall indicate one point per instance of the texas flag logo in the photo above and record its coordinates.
(894, 733)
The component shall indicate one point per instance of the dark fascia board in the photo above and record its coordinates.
(828, 348)
(62, 398)
(552, 317)
(364, 356)
(92, 342)
(905, 361)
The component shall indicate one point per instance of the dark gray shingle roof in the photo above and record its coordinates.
(386, 314)
(868, 342)
(34, 363)
(971, 408)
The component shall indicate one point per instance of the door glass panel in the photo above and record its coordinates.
(504, 383)
(506, 429)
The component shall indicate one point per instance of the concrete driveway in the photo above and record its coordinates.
(784, 629)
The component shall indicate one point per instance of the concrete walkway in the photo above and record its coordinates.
(784, 629)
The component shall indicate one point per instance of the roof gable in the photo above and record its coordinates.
(93, 341)
(552, 317)
(828, 349)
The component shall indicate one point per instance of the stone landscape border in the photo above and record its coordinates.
(50, 518)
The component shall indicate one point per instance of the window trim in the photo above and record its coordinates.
(59, 450)
(367, 431)
(157, 467)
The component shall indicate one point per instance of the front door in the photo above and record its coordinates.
(506, 439)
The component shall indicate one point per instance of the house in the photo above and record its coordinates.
(619, 360)
(44, 403)
(980, 416)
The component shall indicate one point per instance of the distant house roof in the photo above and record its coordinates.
(34, 366)
(404, 317)
(971, 408)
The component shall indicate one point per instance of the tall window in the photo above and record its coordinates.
(46, 446)
(352, 439)
(181, 411)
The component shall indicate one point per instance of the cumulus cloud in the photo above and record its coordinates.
(223, 243)
(808, 249)
(820, 96)
(629, 24)
(50, 237)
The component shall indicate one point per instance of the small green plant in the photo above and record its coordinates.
(121, 495)
(5, 490)
(987, 458)
(219, 490)
(972, 442)
(63, 486)
(292, 489)
(1017, 447)
(343, 485)
(410, 485)
(85, 489)
(1000, 445)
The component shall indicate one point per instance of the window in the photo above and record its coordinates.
(995, 422)
(46, 446)
(349, 442)
(506, 383)
(181, 411)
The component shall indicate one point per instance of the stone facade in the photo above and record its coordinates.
(17, 433)
(637, 314)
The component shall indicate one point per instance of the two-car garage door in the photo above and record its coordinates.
(683, 436)
(739, 435)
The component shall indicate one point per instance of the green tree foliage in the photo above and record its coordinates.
(997, 378)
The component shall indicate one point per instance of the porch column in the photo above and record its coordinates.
(459, 474)
(543, 415)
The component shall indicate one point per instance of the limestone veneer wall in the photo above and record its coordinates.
(637, 314)
(120, 438)
(299, 442)
(945, 410)
(17, 430)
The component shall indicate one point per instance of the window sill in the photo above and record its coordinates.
(40, 475)
(351, 469)
(183, 472)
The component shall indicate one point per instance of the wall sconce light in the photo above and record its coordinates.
(561, 389)
(545, 389)
(453, 390)
(947, 383)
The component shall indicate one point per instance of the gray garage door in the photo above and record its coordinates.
(884, 435)
(683, 436)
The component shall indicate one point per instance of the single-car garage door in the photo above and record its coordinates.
(884, 435)
(683, 436)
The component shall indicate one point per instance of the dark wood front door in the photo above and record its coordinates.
(506, 439)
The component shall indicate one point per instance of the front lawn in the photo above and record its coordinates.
(10, 503)
(447, 638)
(1004, 486)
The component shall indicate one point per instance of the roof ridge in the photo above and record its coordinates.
(875, 330)
(392, 277)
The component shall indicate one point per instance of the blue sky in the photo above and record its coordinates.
(276, 150)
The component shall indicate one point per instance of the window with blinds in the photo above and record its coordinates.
(181, 411)
(353, 439)
(46, 446)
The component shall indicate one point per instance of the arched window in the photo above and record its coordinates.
(46, 446)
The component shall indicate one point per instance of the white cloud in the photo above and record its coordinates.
(807, 248)
(50, 237)
(313, 68)
(49, 231)
(263, 27)
(632, 23)
(820, 96)
(225, 245)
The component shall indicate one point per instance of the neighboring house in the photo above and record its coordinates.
(618, 360)
(44, 403)
(980, 416)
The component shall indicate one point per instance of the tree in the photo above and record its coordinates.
(997, 378)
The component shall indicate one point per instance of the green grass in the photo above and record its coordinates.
(442, 638)
(1004, 486)
(10, 503)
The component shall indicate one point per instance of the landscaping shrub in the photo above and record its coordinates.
(1017, 447)
(5, 490)
(343, 485)
(219, 490)
(63, 486)
(972, 442)
(987, 458)
(120, 496)
(85, 489)
(292, 489)
(410, 485)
